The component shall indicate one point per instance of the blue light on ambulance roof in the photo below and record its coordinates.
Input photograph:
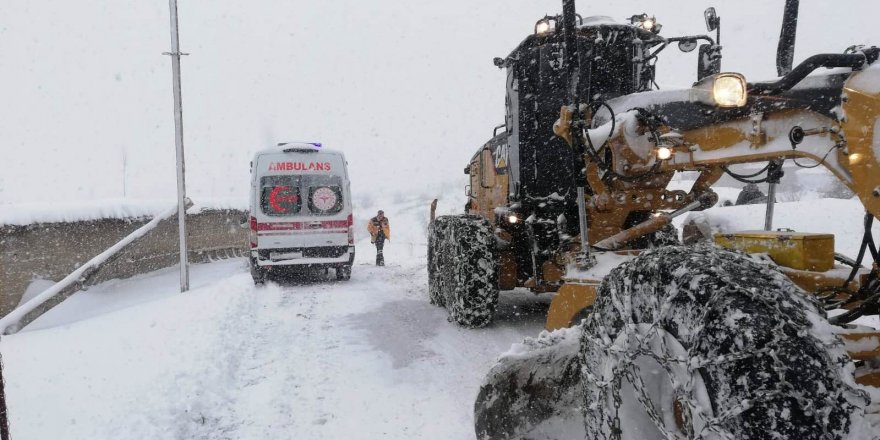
(313, 144)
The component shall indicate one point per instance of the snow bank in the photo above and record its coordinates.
(364, 359)
(20, 214)
(81, 272)
(144, 372)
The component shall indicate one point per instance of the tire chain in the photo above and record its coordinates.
(450, 287)
(627, 368)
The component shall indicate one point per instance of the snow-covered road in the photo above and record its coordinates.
(311, 359)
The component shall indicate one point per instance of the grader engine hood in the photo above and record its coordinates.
(819, 94)
(861, 127)
(839, 112)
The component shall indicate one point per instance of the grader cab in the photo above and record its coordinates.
(749, 336)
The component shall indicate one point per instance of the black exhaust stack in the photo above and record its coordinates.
(569, 28)
(785, 50)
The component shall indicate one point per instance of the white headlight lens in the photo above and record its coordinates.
(648, 24)
(542, 27)
(729, 91)
(512, 219)
(664, 153)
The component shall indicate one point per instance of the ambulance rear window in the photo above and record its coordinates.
(280, 195)
(324, 193)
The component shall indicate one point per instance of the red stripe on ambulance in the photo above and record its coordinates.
(298, 226)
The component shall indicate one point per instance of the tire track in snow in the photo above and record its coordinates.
(368, 358)
(211, 387)
(284, 376)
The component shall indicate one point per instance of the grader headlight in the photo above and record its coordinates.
(545, 25)
(646, 22)
(722, 90)
(663, 153)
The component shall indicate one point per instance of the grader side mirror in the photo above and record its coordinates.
(712, 20)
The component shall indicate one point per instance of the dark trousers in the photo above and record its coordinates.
(380, 242)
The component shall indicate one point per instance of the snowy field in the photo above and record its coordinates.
(369, 358)
(312, 358)
(408, 93)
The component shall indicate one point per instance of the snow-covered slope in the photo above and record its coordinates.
(365, 359)
(369, 358)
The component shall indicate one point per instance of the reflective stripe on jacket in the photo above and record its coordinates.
(374, 225)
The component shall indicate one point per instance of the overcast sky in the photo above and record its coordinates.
(406, 88)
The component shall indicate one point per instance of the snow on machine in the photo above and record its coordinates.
(725, 339)
(300, 211)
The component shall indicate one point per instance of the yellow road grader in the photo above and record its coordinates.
(748, 335)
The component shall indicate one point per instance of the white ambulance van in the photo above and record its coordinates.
(300, 211)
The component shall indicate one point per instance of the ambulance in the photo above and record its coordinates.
(300, 211)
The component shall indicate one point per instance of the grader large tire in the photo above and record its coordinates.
(666, 236)
(707, 343)
(693, 342)
(465, 278)
(437, 258)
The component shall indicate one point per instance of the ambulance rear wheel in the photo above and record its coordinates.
(258, 273)
(343, 273)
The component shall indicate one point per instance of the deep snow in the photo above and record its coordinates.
(407, 92)
(317, 359)
(369, 358)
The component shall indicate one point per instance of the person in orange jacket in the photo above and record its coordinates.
(380, 231)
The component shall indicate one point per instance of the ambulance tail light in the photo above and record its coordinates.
(350, 222)
(252, 233)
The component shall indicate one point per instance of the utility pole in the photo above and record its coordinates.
(4, 417)
(178, 138)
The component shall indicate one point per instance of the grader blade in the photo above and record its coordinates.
(534, 391)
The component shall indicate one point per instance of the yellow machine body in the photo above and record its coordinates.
(796, 250)
(570, 300)
(807, 259)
